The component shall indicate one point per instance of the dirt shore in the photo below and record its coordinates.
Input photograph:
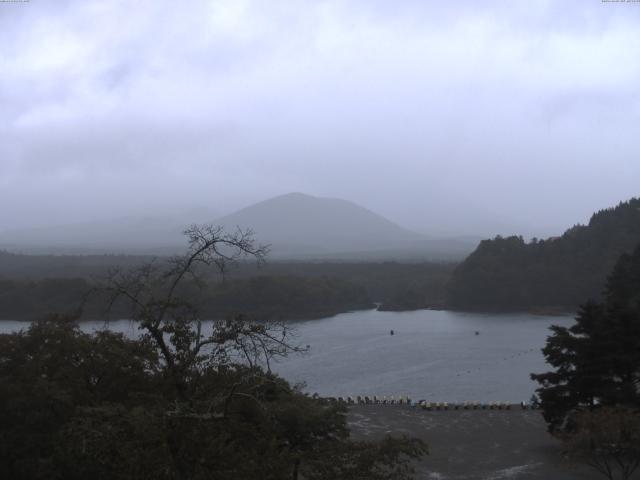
(473, 444)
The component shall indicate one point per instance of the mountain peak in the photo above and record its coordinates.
(305, 223)
(294, 195)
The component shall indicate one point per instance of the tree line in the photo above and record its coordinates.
(261, 297)
(32, 286)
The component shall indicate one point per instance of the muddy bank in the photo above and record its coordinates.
(474, 444)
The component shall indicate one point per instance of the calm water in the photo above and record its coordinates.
(434, 355)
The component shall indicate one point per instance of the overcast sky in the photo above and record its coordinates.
(442, 116)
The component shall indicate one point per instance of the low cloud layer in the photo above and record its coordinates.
(443, 116)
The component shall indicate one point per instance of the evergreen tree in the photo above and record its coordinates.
(597, 360)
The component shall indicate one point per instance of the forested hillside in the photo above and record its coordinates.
(260, 297)
(556, 273)
(33, 286)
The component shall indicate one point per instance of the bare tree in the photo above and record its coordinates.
(607, 439)
(154, 295)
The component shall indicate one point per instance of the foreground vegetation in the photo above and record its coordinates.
(78, 406)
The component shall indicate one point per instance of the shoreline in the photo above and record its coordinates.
(333, 313)
(472, 444)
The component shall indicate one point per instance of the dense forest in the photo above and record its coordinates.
(260, 297)
(556, 273)
(31, 286)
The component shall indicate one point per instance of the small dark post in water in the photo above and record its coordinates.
(391, 332)
(477, 332)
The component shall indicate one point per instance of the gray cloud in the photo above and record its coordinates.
(444, 116)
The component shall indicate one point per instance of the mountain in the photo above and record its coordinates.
(558, 273)
(297, 225)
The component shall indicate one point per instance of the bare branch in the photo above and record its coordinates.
(153, 295)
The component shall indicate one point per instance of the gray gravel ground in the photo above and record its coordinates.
(473, 444)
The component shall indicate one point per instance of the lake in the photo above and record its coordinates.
(435, 355)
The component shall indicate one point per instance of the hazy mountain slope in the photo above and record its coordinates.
(560, 272)
(297, 226)
(301, 224)
(120, 235)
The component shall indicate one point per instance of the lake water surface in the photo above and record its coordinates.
(434, 355)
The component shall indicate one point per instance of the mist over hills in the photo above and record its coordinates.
(296, 225)
(304, 226)
(131, 235)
